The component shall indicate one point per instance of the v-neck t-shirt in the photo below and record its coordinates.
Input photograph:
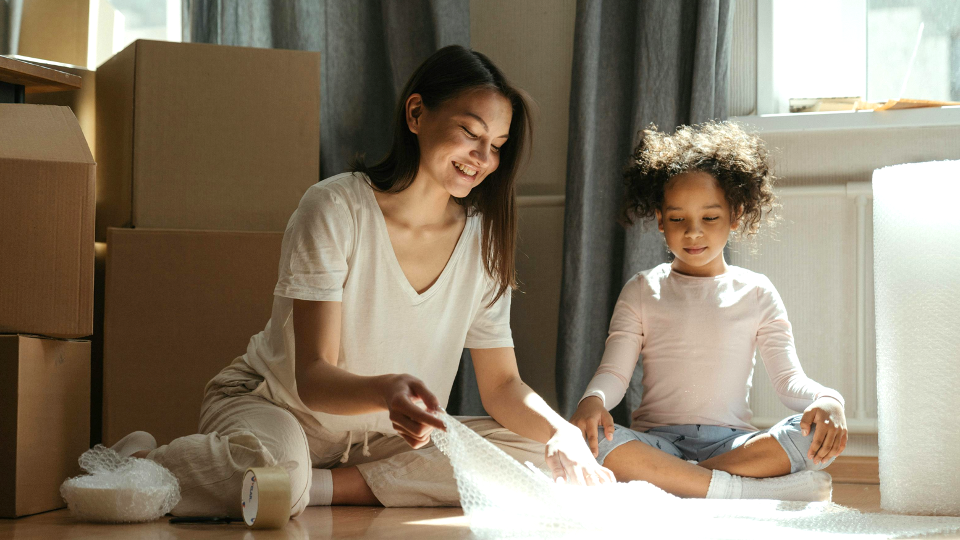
(336, 248)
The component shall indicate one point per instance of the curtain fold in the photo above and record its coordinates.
(368, 50)
(10, 14)
(4, 31)
(635, 63)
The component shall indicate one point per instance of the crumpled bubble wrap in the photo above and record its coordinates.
(120, 489)
(504, 499)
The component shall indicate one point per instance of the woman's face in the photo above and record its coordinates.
(460, 139)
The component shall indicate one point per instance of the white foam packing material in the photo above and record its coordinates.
(917, 291)
(120, 489)
(504, 499)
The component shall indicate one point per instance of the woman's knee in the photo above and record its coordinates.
(245, 432)
(284, 446)
(516, 446)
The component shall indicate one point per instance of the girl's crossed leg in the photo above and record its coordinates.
(662, 456)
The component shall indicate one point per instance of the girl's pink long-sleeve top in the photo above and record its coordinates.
(698, 336)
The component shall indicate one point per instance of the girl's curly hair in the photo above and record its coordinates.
(737, 159)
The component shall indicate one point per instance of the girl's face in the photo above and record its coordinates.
(696, 222)
(460, 139)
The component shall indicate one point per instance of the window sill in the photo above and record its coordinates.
(841, 120)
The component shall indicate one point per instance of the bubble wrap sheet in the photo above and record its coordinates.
(120, 489)
(504, 499)
(917, 284)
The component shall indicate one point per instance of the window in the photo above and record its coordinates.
(144, 19)
(874, 50)
(892, 33)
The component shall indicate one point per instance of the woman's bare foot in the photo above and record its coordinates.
(136, 444)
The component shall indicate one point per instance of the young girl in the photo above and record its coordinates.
(697, 322)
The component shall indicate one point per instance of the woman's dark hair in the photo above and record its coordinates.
(445, 75)
(737, 159)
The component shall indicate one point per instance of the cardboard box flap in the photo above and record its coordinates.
(82, 102)
(42, 133)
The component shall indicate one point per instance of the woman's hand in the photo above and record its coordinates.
(400, 394)
(590, 414)
(830, 433)
(570, 461)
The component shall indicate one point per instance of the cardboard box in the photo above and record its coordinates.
(76, 32)
(206, 137)
(47, 182)
(44, 420)
(180, 306)
(82, 102)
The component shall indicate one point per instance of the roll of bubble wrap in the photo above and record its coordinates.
(916, 226)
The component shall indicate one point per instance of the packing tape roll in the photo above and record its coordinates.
(265, 497)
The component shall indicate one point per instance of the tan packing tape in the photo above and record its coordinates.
(265, 497)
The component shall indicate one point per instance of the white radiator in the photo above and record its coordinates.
(820, 258)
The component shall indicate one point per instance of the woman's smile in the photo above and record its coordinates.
(465, 170)
(466, 174)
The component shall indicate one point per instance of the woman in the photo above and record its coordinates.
(386, 274)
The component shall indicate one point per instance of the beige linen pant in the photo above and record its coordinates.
(239, 429)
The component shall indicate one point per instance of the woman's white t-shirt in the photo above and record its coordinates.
(336, 248)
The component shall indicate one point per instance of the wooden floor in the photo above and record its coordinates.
(322, 523)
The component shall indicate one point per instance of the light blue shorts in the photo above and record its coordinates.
(698, 442)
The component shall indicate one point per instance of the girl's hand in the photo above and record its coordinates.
(570, 461)
(830, 433)
(400, 394)
(590, 414)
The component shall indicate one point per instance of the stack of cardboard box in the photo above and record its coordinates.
(47, 179)
(204, 152)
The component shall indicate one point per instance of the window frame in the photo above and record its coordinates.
(766, 120)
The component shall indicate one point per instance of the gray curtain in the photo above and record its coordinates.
(635, 62)
(10, 13)
(4, 30)
(368, 51)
